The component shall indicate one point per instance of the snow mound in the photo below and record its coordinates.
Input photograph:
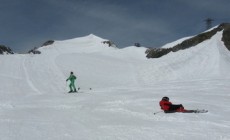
(90, 43)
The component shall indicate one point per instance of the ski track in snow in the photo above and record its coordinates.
(30, 83)
(125, 93)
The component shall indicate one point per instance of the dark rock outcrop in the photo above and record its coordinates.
(226, 36)
(156, 53)
(49, 42)
(137, 44)
(4, 49)
(34, 51)
(109, 43)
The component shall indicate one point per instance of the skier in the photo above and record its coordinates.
(72, 79)
(168, 107)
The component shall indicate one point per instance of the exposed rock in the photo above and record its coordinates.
(34, 51)
(137, 44)
(110, 43)
(49, 42)
(157, 52)
(4, 49)
(226, 36)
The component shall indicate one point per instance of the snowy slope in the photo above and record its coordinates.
(126, 89)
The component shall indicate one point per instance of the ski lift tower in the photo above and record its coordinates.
(208, 23)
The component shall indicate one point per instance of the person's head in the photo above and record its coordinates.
(71, 72)
(165, 98)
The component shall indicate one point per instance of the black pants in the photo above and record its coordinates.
(173, 108)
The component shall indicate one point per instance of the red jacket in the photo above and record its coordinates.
(165, 105)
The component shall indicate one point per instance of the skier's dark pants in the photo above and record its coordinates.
(173, 108)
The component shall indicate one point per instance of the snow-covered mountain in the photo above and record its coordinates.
(193, 41)
(125, 91)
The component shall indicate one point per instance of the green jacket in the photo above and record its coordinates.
(72, 78)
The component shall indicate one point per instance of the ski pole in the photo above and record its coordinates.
(157, 112)
(66, 88)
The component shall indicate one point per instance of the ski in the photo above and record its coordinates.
(79, 90)
(200, 111)
(196, 111)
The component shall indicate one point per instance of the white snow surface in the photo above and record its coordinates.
(126, 90)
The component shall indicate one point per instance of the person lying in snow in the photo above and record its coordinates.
(168, 107)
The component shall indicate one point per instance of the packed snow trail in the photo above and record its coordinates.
(28, 77)
(121, 113)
